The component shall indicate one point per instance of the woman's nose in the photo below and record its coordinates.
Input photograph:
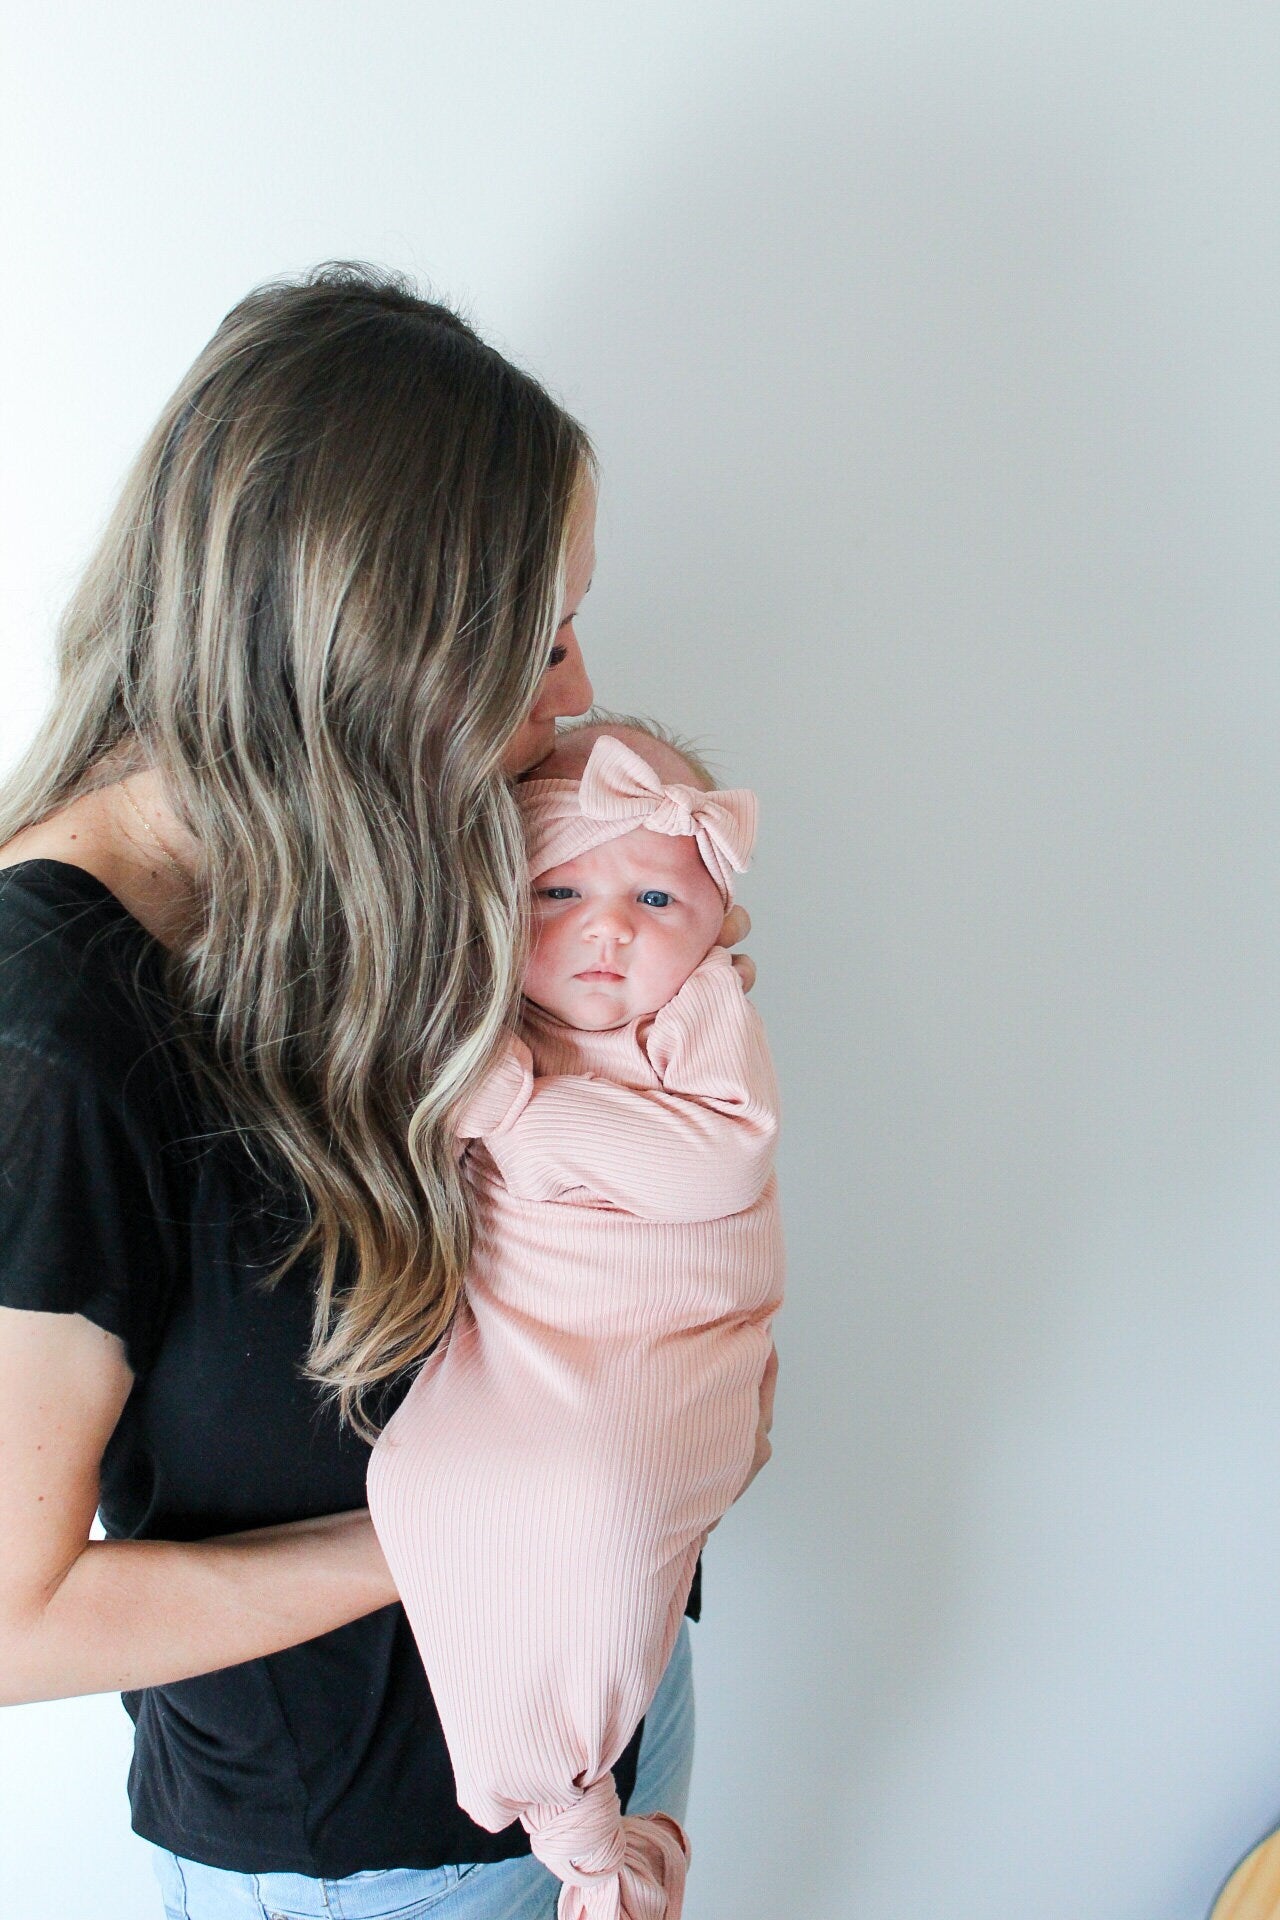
(577, 694)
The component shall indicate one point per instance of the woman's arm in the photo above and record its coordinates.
(96, 1616)
(699, 1147)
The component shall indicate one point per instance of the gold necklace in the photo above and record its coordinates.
(147, 827)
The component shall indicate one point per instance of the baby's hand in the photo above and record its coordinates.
(737, 925)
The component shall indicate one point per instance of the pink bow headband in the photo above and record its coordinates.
(619, 792)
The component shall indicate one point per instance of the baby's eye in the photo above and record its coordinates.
(655, 897)
(555, 893)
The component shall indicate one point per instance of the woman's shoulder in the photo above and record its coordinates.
(81, 982)
(68, 945)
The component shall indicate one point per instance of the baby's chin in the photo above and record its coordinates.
(592, 1009)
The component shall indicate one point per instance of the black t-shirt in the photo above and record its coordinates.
(120, 1202)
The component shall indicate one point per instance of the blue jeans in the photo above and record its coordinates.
(521, 1889)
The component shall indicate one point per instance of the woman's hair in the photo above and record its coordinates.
(320, 611)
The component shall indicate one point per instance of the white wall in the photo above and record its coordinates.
(930, 349)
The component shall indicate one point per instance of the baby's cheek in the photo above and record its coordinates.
(542, 957)
(681, 952)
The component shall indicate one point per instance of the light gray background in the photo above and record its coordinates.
(930, 349)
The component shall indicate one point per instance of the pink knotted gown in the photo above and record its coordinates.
(544, 1490)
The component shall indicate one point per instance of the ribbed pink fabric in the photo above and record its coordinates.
(547, 1484)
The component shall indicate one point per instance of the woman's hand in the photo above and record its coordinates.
(763, 1452)
(737, 925)
(768, 1386)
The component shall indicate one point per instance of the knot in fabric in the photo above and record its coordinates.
(619, 785)
(584, 1841)
(613, 1868)
(619, 791)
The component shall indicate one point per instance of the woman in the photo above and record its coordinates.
(261, 928)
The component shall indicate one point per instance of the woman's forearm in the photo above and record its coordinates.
(140, 1613)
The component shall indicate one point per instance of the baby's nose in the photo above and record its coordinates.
(610, 923)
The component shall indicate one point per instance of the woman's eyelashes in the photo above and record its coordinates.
(559, 653)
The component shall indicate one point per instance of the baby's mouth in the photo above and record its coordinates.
(598, 973)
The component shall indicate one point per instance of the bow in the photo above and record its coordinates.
(620, 792)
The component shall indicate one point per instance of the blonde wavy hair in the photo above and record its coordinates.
(320, 611)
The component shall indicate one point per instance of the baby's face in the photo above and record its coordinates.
(618, 931)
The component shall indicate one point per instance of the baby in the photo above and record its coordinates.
(545, 1488)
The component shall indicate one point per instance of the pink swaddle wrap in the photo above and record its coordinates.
(544, 1490)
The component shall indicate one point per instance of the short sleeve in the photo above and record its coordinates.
(82, 1210)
